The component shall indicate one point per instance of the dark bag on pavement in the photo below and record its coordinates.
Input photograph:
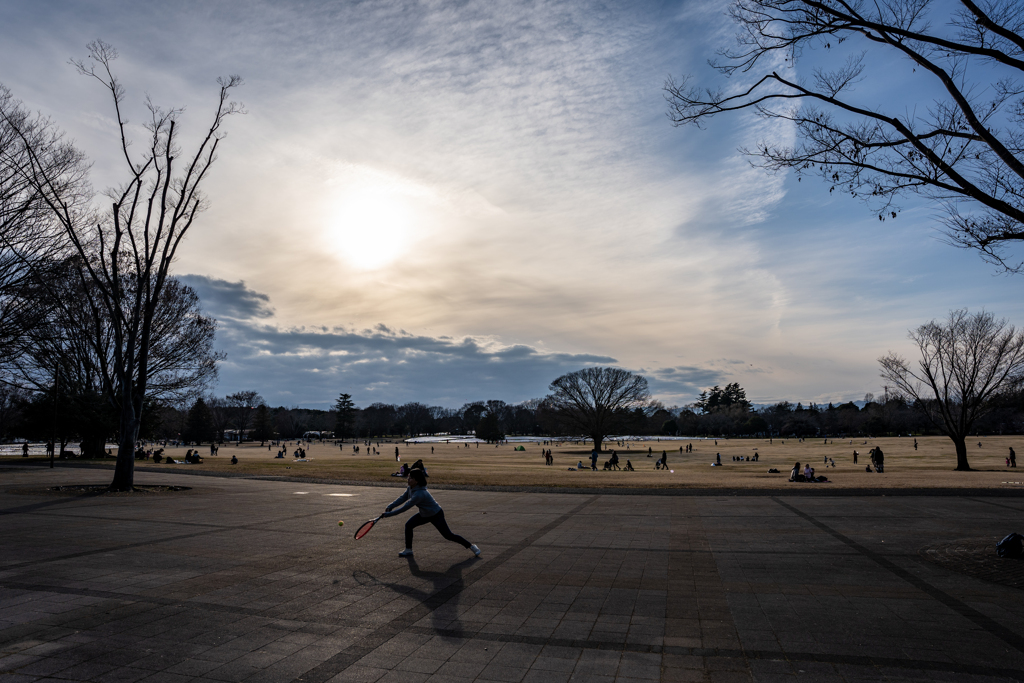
(1012, 546)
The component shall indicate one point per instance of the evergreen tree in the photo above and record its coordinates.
(345, 409)
(199, 427)
(263, 427)
(488, 428)
(717, 398)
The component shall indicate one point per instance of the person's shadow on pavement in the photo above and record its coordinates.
(443, 601)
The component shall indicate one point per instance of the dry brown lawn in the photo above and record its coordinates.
(931, 466)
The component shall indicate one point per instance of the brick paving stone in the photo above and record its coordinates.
(238, 580)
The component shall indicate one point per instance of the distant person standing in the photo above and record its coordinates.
(1013, 457)
(915, 444)
(397, 459)
(593, 459)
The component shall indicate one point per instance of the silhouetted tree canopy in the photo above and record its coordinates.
(812, 62)
(966, 361)
(591, 400)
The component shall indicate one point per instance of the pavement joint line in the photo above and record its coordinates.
(32, 507)
(404, 621)
(693, 551)
(127, 597)
(223, 527)
(733, 653)
(985, 622)
(155, 541)
(61, 513)
(1001, 505)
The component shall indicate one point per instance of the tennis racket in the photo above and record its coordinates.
(365, 528)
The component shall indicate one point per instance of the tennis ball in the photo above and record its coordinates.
(341, 523)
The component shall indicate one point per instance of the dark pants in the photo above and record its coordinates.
(439, 523)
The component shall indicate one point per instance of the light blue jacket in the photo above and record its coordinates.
(420, 497)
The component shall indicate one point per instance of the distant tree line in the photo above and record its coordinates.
(220, 418)
(717, 413)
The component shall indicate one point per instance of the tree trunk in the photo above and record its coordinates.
(124, 470)
(961, 454)
(598, 440)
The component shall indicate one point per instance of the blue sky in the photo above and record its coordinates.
(446, 202)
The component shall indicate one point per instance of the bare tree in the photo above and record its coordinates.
(125, 253)
(72, 346)
(31, 243)
(182, 360)
(242, 406)
(963, 151)
(965, 362)
(590, 399)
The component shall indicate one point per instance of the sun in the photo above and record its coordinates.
(371, 228)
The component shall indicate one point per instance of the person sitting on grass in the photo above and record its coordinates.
(418, 465)
(795, 474)
(234, 459)
(629, 467)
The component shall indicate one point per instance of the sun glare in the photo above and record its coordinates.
(372, 228)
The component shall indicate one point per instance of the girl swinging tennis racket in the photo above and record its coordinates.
(430, 513)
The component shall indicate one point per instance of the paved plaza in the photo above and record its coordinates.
(253, 580)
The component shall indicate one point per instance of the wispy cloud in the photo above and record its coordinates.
(500, 180)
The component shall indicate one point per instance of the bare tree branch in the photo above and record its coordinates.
(964, 152)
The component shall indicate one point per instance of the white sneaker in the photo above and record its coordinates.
(476, 551)
(406, 553)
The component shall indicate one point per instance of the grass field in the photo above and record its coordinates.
(931, 466)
